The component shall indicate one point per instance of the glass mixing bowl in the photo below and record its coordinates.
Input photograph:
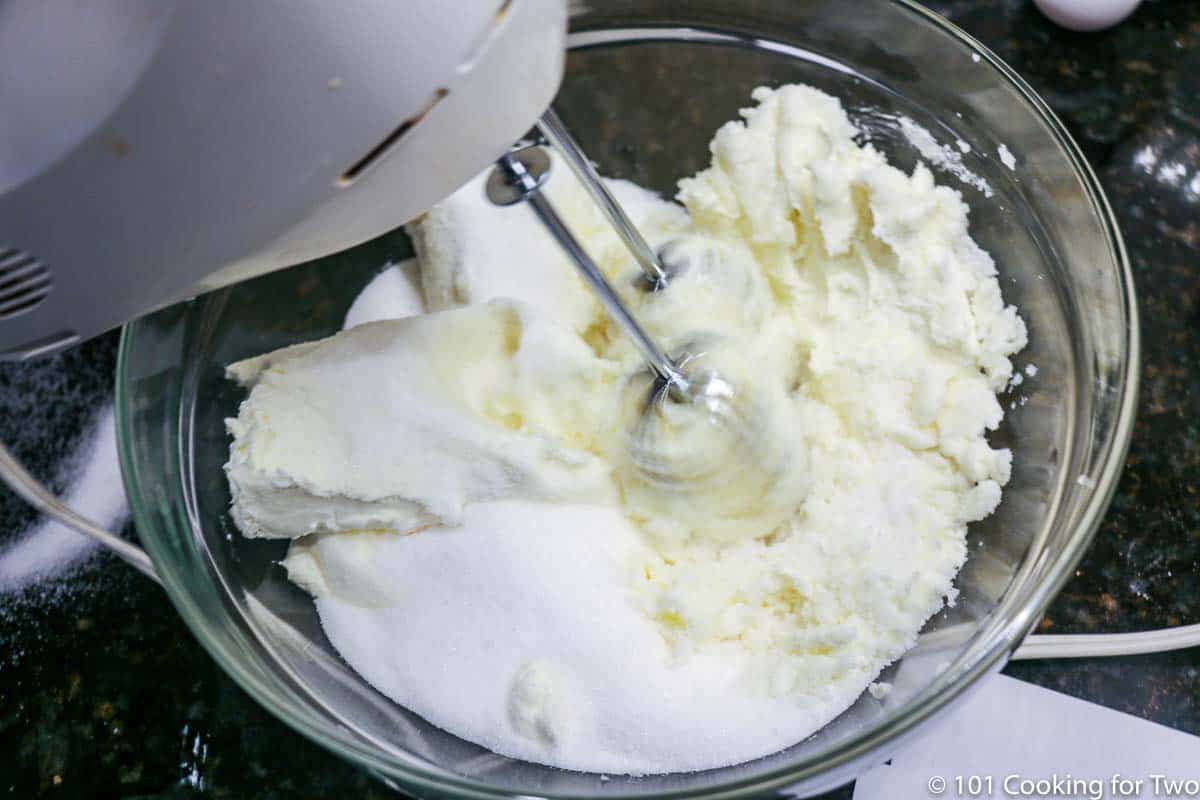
(647, 84)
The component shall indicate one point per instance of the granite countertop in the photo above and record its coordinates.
(104, 693)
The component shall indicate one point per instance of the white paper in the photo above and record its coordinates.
(1012, 739)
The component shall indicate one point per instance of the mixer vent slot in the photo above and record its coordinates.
(24, 282)
(384, 147)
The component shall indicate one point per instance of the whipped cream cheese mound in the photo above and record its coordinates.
(482, 546)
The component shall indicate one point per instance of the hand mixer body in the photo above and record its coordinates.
(153, 150)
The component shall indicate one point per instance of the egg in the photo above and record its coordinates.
(1087, 15)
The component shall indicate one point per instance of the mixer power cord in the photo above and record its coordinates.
(1103, 645)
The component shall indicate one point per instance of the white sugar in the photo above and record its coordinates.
(393, 294)
(96, 492)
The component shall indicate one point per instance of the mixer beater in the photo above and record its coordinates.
(519, 176)
(669, 450)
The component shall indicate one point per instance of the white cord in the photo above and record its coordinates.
(1099, 645)
(29, 489)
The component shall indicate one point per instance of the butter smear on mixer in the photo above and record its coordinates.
(457, 485)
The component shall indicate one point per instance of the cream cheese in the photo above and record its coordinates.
(398, 425)
(567, 611)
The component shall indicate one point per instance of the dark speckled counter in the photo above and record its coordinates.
(104, 694)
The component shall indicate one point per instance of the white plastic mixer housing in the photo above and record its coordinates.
(151, 150)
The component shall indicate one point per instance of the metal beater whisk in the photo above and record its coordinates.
(519, 176)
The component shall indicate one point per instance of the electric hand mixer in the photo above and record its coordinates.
(153, 151)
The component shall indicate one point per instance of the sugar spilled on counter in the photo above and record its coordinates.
(51, 550)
